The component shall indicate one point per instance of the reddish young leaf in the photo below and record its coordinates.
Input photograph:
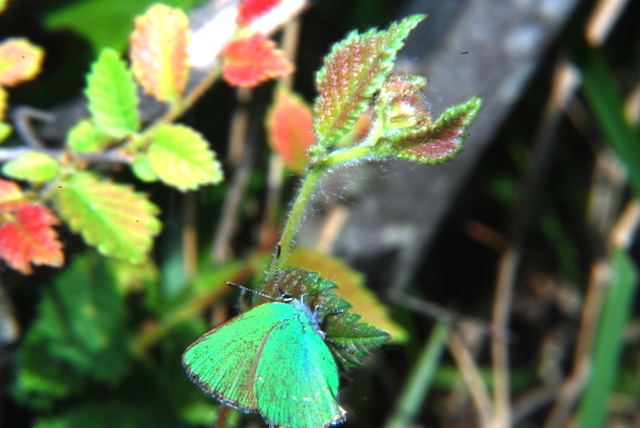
(252, 60)
(159, 56)
(401, 104)
(440, 141)
(354, 70)
(19, 61)
(290, 129)
(253, 9)
(30, 238)
(11, 197)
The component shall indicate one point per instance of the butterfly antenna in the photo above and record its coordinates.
(277, 274)
(243, 288)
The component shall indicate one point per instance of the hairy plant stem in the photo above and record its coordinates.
(305, 193)
(311, 181)
(309, 184)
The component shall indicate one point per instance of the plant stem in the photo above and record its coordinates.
(297, 212)
(361, 151)
(306, 192)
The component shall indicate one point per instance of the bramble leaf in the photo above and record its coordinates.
(401, 105)
(249, 61)
(32, 166)
(253, 9)
(290, 129)
(112, 217)
(112, 96)
(5, 131)
(351, 287)
(11, 196)
(19, 61)
(142, 169)
(433, 143)
(159, 56)
(85, 138)
(353, 72)
(30, 238)
(181, 158)
(3, 103)
(355, 339)
(79, 334)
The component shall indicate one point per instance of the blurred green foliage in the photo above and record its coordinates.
(105, 23)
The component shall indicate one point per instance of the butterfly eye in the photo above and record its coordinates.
(286, 297)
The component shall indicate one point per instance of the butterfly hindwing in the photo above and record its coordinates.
(297, 377)
(223, 362)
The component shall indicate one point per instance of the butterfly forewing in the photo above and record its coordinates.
(223, 362)
(297, 377)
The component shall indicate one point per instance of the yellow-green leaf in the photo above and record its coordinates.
(159, 56)
(112, 96)
(3, 5)
(143, 170)
(85, 138)
(32, 166)
(351, 287)
(19, 61)
(181, 158)
(109, 216)
(5, 131)
(4, 97)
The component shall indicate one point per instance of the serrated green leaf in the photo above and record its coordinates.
(5, 131)
(143, 170)
(32, 166)
(356, 339)
(112, 95)
(112, 217)
(350, 339)
(85, 138)
(353, 71)
(181, 158)
(351, 287)
(79, 334)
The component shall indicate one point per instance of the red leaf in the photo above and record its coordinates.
(252, 60)
(290, 129)
(29, 238)
(11, 197)
(253, 9)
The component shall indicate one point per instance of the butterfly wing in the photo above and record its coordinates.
(223, 362)
(297, 377)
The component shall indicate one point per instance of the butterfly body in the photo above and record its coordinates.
(270, 360)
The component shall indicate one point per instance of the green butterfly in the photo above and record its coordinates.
(271, 360)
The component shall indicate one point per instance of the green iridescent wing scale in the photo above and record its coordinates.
(297, 377)
(223, 362)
